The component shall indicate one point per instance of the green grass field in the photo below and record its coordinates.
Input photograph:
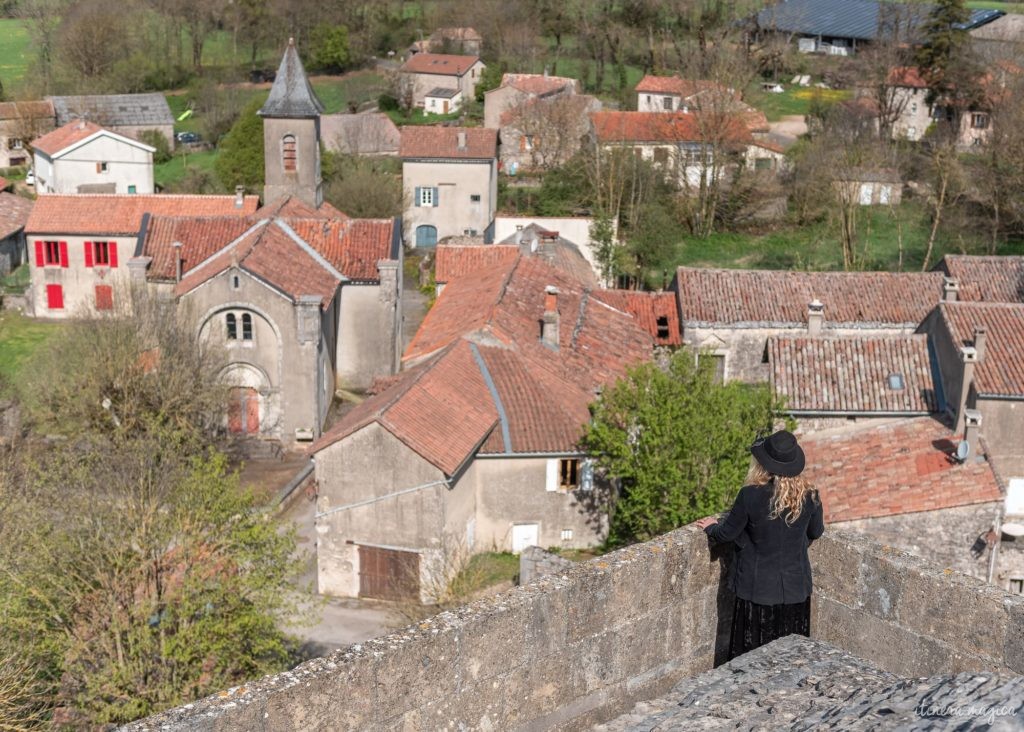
(14, 53)
(19, 338)
(174, 170)
(794, 100)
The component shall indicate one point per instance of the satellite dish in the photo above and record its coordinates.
(962, 450)
(1013, 529)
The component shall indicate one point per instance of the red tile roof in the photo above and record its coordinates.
(439, 63)
(443, 142)
(777, 297)
(14, 212)
(986, 279)
(457, 260)
(850, 375)
(269, 252)
(200, 237)
(685, 88)
(442, 410)
(655, 312)
(26, 110)
(63, 137)
(538, 84)
(909, 76)
(892, 469)
(121, 215)
(1001, 369)
(666, 127)
(352, 246)
(292, 207)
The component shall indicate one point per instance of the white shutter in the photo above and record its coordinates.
(587, 474)
(552, 477)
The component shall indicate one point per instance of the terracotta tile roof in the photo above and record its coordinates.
(538, 84)
(684, 88)
(778, 297)
(268, 251)
(655, 312)
(457, 260)
(292, 207)
(665, 127)
(892, 469)
(850, 375)
(352, 246)
(439, 63)
(27, 110)
(200, 237)
(441, 409)
(986, 279)
(908, 76)
(121, 215)
(14, 212)
(63, 137)
(1001, 369)
(443, 142)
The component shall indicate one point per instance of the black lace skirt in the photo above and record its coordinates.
(754, 625)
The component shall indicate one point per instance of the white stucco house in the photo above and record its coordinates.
(82, 157)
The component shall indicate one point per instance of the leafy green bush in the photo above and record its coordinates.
(156, 139)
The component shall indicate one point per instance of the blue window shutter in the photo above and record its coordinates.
(435, 196)
(418, 199)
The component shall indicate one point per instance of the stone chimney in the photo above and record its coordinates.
(549, 324)
(979, 342)
(815, 317)
(239, 196)
(950, 289)
(177, 260)
(969, 357)
(461, 136)
(972, 431)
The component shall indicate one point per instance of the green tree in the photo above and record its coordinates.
(489, 79)
(157, 139)
(329, 48)
(240, 162)
(136, 575)
(946, 60)
(677, 440)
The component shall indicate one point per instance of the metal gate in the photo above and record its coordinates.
(388, 574)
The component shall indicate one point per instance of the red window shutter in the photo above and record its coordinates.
(112, 253)
(40, 262)
(104, 297)
(55, 297)
(63, 254)
(88, 254)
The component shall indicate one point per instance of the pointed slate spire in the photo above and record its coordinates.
(291, 95)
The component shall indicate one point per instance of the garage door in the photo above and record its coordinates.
(388, 574)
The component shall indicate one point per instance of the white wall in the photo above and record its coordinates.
(575, 229)
(127, 165)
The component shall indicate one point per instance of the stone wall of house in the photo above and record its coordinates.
(576, 649)
(535, 563)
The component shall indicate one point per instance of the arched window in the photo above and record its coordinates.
(288, 153)
(232, 327)
(246, 327)
(426, 236)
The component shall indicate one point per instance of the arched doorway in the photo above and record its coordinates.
(244, 411)
(426, 236)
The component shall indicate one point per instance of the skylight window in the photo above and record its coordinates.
(896, 382)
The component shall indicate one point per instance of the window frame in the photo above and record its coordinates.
(426, 199)
(247, 328)
(231, 327)
(289, 153)
(569, 473)
(51, 254)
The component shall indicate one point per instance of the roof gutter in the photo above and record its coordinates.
(850, 413)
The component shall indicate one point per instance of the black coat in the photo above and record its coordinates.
(771, 565)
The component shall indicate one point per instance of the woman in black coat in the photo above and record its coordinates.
(775, 517)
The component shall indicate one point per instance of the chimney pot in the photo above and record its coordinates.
(815, 317)
(979, 343)
(177, 261)
(950, 289)
(239, 196)
(462, 139)
(972, 431)
(549, 324)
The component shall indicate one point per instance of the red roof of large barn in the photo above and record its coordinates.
(121, 215)
(1001, 370)
(780, 297)
(892, 469)
(851, 374)
(445, 64)
(443, 142)
(986, 279)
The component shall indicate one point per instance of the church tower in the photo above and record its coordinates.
(291, 134)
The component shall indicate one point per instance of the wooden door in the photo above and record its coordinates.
(388, 574)
(244, 411)
(446, 106)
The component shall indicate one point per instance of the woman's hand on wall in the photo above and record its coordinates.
(706, 522)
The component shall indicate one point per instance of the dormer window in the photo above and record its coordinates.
(662, 327)
(289, 160)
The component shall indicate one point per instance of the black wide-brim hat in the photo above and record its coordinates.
(779, 454)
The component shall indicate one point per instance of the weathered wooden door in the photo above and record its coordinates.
(388, 574)
(446, 106)
(244, 411)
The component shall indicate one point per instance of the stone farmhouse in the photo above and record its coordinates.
(545, 132)
(126, 114)
(429, 74)
(450, 182)
(371, 133)
(21, 122)
(82, 157)
(450, 40)
(515, 89)
(474, 445)
(675, 94)
(14, 212)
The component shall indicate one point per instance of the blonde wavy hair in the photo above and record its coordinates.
(789, 495)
